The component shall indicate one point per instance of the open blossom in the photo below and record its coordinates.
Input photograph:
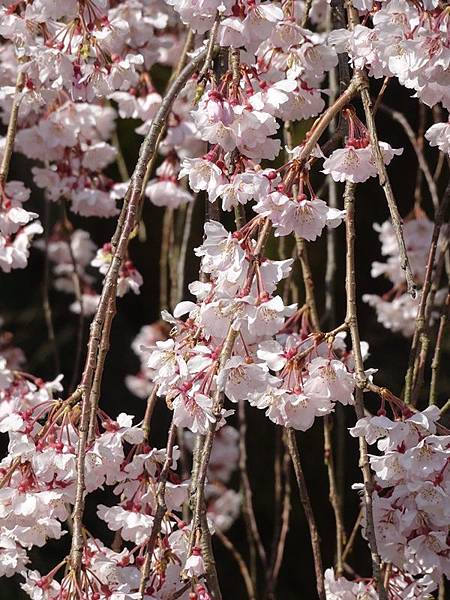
(411, 469)
(439, 135)
(203, 175)
(234, 103)
(396, 309)
(357, 164)
(15, 250)
(329, 379)
(306, 218)
(193, 411)
(240, 378)
(194, 566)
(165, 190)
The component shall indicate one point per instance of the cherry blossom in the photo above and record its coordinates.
(235, 105)
(439, 135)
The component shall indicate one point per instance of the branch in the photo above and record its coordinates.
(278, 554)
(361, 379)
(100, 323)
(309, 513)
(401, 119)
(199, 503)
(421, 320)
(160, 511)
(335, 500)
(254, 537)
(12, 128)
(240, 561)
(436, 362)
(385, 183)
(302, 252)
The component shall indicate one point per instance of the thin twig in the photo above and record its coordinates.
(150, 407)
(205, 454)
(403, 121)
(253, 535)
(308, 280)
(76, 282)
(164, 259)
(351, 540)
(285, 515)
(421, 320)
(12, 128)
(48, 313)
(160, 510)
(386, 184)
(306, 11)
(183, 250)
(120, 160)
(120, 240)
(209, 49)
(333, 493)
(352, 321)
(240, 561)
(309, 513)
(437, 356)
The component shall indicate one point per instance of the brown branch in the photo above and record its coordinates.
(361, 379)
(333, 493)
(205, 454)
(209, 49)
(385, 183)
(351, 540)
(437, 356)
(120, 240)
(160, 510)
(12, 128)
(309, 513)
(324, 120)
(76, 281)
(307, 9)
(183, 250)
(421, 319)
(281, 536)
(302, 252)
(150, 407)
(240, 561)
(402, 120)
(46, 305)
(254, 538)
(164, 259)
(445, 408)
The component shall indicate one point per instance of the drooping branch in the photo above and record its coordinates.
(240, 562)
(352, 321)
(437, 356)
(424, 168)
(309, 513)
(247, 508)
(160, 510)
(12, 128)
(103, 316)
(386, 184)
(421, 319)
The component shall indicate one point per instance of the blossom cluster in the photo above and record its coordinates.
(411, 492)
(73, 73)
(39, 484)
(396, 309)
(405, 42)
(277, 364)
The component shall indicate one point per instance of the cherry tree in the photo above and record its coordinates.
(265, 114)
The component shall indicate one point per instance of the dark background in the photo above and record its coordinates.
(21, 294)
